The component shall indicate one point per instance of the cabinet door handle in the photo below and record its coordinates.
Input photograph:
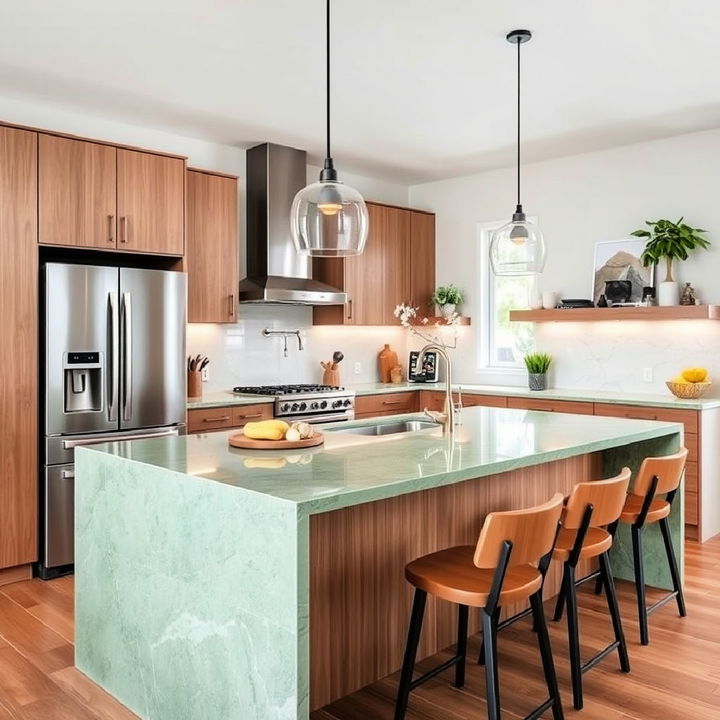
(231, 302)
(216, 419)
(349, 311)
(123, 229)
(111, 233)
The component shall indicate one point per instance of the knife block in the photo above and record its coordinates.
(330, 376)
(194, 384)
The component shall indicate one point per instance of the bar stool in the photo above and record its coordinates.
(643, 507)
(590, 507)
(499, 570)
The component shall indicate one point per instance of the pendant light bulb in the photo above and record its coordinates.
(328, 218)
(518, 247)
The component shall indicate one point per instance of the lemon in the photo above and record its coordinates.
(695, 374)
(680, 380)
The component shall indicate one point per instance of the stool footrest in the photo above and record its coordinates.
(595, 659)
(436, 671)
(540, 709)
(590, 576)
(662, 601)
(514, 618)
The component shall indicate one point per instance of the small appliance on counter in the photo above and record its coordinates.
(428, 372)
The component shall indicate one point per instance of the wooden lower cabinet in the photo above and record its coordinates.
(19, 331)
(223, 418)
(561, 406)
(435, 400)
(390, 404)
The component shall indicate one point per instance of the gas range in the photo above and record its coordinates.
(311, 403)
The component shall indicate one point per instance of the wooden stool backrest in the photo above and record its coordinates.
(668, 469)
(606, 496)
(531, 532)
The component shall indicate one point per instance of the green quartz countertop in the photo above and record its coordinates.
(350, 469)
(602, 396)
(225, 398)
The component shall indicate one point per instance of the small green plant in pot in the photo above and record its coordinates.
(670, 241)
(447, 298)
(537, 365)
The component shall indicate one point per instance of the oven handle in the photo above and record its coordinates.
(317, 419)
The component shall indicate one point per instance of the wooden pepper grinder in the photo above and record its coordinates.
(331, 374)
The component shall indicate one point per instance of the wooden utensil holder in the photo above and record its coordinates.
(194, 384)
(331, 377)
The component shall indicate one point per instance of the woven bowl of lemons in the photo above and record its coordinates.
(691, 384)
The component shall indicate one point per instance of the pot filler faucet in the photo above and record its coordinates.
(285, 334)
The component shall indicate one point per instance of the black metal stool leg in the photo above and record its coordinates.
(416, 620)
(640, 583)
(546, 655)
(613, 607)
(677, 584)
(462, 638)
(561, 597)
(574, 637)
(489, 627)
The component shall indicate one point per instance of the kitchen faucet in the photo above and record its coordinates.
(285, 334)
(447, 417)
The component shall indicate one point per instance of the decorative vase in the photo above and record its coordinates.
(447, 311)
(387, 360)
(668, 293)
(537, 381)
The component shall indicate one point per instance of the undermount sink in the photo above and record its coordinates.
(394, 428)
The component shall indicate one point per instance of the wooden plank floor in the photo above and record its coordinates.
(676, 678)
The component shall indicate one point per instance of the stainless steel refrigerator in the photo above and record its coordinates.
(114, 369)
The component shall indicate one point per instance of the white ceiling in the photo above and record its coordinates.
(423, 89)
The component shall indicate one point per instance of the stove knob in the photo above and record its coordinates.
(323, 404)
(314, 405)
(303, 406)
(347, 403)
(284, 408)
(294, 407)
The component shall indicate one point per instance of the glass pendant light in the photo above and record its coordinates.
(329, 219)
(518, 248)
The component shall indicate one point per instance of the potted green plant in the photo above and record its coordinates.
(447, 298)
(537, 365)
(669, 241)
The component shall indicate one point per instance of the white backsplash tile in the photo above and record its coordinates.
(240, 355)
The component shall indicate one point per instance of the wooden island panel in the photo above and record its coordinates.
(359, 598)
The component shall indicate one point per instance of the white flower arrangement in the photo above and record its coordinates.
(408, 316)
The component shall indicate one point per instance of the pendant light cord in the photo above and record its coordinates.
(518, 123)
(327, 78)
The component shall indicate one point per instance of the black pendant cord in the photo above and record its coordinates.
(327, 78)
(519, 206)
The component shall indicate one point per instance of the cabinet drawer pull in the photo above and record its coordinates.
(123, 229)
(253, 415)
(111, 234)
(541, 409)
(216, 419)
(393, 402)
(640, 417)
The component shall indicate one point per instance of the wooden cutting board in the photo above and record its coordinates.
(239, 440)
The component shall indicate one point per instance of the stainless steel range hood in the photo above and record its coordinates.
(275, 271)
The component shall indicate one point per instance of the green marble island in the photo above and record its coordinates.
(222, 584)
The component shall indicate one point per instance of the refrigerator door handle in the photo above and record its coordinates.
(70, 444)
(127, 359)
(114, 356)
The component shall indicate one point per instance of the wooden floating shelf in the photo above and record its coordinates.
(676, 312)
(433, 321)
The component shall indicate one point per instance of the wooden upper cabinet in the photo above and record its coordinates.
(422, 258)
(19, 329)
(150, 202)
(76, 203)
(211, 252)
(386, 274)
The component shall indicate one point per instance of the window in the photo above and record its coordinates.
(502, 343)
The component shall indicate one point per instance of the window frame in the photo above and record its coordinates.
(492, 373)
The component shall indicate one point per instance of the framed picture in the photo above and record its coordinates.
(619, 260)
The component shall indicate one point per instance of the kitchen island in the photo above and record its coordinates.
(226, 584)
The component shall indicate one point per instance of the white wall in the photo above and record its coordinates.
(239, 353)
(580, 200)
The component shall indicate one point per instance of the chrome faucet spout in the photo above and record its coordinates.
(449, 409)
